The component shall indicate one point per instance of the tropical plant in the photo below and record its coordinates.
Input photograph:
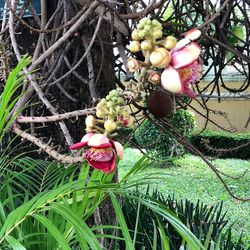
(44, 205)
(206, 222)
(9, 95)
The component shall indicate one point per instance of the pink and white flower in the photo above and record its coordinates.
(101, 152)
(185, 67)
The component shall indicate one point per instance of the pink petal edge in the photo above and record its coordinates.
(192, 34)
(186, 56)
(98, 141)
(78, 145)
(119, 149)
(87, 137)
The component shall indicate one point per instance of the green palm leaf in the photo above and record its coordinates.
(9, 96)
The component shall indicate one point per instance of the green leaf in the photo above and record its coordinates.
(80, 227)
(164, 238)
(238, 34)
(14, 243)
(8, 98)
(122, 222)
(163, 211)
(53, 231)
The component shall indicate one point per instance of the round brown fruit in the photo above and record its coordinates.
(159, 103)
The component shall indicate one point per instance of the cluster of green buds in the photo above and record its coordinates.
(145, 34)
(112, 112)
(148, 38)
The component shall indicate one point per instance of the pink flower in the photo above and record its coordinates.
(101, 152)
(185, 66)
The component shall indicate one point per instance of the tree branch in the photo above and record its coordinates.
(55, 118)
(46, 148)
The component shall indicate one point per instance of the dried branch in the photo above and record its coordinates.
(55, 118)
(46, 148)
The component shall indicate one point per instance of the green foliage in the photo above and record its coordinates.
(9, 95)
(236, 35)
(44, 205)
(206, 222)
(222, 144)
(149, 137)
(127, 136)
(188, 177)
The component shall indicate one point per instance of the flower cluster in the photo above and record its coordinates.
(179, 60)
(111, 113)
(169, 65)
(147, 32)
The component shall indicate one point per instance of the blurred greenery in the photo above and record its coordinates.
(188, 177)
(164, 145)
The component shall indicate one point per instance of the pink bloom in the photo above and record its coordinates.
(185, 67)
(101, 152)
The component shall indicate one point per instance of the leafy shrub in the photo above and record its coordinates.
(127, 136)
(207, 223)
(149, 137)
(222, 144)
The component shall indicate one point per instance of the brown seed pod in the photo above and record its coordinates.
(160, 103)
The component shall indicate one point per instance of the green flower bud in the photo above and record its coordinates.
(113, 93)
(120, 100)
(90, 121)
(144, 21)
(118, 110)
(157, 34)
(99, 105)
(146, 45)
(157, 24)
(112, 110)
(135, 36)
(141, 34)
(108, 97)
(114, 100)
(109, 104)
(134, 46)
(103, 101)
(110, 125)
(100, 113)
(140, 26)
(147, 27)
(170, 42)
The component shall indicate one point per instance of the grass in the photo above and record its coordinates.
(190, 178)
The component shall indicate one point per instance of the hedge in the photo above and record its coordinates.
(223, 144)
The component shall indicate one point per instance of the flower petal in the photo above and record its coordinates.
(87, 137)
(189, 92)
(78, 145)
(119, 149)
(99, 141)
(82, 143)
(192, 34)
(180, 45)
(171, 81)
(185, 56)
(107, 166)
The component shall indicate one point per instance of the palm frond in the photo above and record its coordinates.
(10, 95)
